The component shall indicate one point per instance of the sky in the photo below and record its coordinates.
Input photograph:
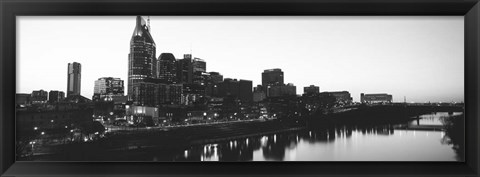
(420, 58)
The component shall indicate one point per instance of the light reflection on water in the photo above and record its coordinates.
(346, 143)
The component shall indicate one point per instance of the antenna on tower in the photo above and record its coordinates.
(191, 49)
(148, 22)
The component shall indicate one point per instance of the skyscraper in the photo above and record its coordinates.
(74, 79)
(272, 77)
(166, 68)
(185, 69)
(245, 90)
(141, 59)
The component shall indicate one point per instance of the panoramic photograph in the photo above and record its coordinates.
(277, 88)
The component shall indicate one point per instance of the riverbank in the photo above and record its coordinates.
(133, 144)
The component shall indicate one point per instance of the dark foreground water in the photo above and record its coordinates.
(336, 143)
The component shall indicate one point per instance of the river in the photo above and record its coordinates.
(335, 143)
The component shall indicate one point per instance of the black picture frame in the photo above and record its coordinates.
(9, 9)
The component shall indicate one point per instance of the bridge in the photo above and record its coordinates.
(421, 127)
(391, 113)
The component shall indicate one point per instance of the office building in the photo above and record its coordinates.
(199, 65)
(245, 93)
(311, 90)
(141, 59)
(272, 77)
(185, 70)
(154, 93)
(55, 96)
(281, 90)
(167, 70)
(39, 96)
(106, 88)
(74, 79)
(375, 98)
(342, 97)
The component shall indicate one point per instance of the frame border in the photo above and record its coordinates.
(470, 9)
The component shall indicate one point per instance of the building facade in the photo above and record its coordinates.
(142, 62)
(74, 79)
(106, 88)
(55, 96)
(272, 77)
(281, 90)
(185, 70)
(39, 96)
(311, 90)
(375, 98)
(341, 97)
(155, 94)
(167, 69)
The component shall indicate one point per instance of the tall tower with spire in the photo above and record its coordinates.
(141, 59)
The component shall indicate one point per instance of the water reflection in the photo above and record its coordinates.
(330, 143)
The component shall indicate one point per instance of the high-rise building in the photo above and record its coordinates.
(215, 77)
(245, 90)
(167, 68)
(141, 59)
(39, 96)
(199, 65)
(212, 80)
(311, 90)
(229, 87)
(55, 96)
(74, 79)
(106, 88)
(272, 77)
(185, 69)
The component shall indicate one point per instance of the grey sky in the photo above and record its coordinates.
(421, 58)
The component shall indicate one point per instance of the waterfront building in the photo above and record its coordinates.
(141, 59)
(74, 79)
(106, 88)
(63, 116)
(55, 96)
(341, 97)
(39, 96)
(311, 90)
(375, 98)
(146, 115)
(167, 69)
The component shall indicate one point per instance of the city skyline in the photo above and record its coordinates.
(441, 70)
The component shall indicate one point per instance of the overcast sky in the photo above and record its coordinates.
(421, 58)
